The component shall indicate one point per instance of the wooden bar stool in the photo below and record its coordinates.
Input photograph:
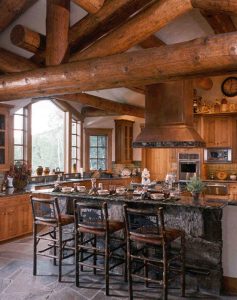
(97, 236)
(149, 249)
(49, 228)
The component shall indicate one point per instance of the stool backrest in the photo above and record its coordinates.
(140, 222)
(45, 210)
(91, 214)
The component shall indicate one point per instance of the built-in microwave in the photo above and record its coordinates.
(217, 155)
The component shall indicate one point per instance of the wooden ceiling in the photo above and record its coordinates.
(70, 60)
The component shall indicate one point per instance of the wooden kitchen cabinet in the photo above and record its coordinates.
(123, 141)
(15, 216)
(217, 131)
(5, 136)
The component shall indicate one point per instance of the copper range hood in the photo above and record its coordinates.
(169, 117)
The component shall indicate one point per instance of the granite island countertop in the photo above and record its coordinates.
(186, 201)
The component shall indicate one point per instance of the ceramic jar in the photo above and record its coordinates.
(46, 170)
(39, 170)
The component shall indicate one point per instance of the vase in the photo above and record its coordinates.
(46, 171)
(39, 170)
(19, 184)
(195, 196)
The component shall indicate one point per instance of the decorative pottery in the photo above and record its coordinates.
(46, 170)
(39, 170)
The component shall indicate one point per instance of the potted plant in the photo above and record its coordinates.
(195, 186)
(20, 173)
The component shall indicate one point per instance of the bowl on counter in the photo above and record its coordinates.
(232, 177)
(67, 189)
(81, 188)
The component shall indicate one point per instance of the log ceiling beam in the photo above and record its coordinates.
(11, 62)
(201, 57)
(91, 6)
(65, 106)
(218, 6)
(57, 26)
(136, 29)
(220, 23)
(95, 112)
(151, 42)
(29, 40)
(105, 104)
(11, 10)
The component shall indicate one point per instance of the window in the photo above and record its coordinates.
(20, 136)
(47, 135)
(76, 145)
(98, 149)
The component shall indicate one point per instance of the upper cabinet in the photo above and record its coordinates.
(123, 141)
(5, 137)
(217, 131)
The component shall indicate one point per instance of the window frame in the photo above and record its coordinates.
(26, 130)
(98, 132)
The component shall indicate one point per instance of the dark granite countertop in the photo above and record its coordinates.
(186, 201)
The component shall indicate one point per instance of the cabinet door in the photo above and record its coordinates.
(25, 218)
(123, 141)
(209, 131)
(5, 136)
(223, 132)
(3, 224)
(13, 228)
(232, 191)
(217, 131)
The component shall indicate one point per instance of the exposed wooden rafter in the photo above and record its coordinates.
(151, 42)
(136, 29)
(88, 111)
(12, 9)
(67, 107)
(11, 62)
(220, 23)
(105, 104)
(200, 57)
(57, 26)
(218, 6)
(92, 6)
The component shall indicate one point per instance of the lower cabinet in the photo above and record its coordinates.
(15, 216)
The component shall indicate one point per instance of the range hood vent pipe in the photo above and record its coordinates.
(169, 117)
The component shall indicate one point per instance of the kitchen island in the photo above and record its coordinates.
(201, 221)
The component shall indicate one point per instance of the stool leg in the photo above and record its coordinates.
(125, 258)
(165, 273)
(81, 250)
(183, 266)
(94, 254)
(60, 253)
(35, 249)
(54, 248)
(107, 265)
(77, 251)
(129, 271)
(146, 267)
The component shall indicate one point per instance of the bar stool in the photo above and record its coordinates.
(49, 227)
(149, 249)
(93, 225)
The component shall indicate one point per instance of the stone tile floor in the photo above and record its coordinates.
(18, 283)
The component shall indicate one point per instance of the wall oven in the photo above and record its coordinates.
(188, 166)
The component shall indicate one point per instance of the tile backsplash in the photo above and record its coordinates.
(228, 168)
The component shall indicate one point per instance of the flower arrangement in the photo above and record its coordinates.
(195, 185)
(20, 173)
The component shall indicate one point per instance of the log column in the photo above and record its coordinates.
(57, 25)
